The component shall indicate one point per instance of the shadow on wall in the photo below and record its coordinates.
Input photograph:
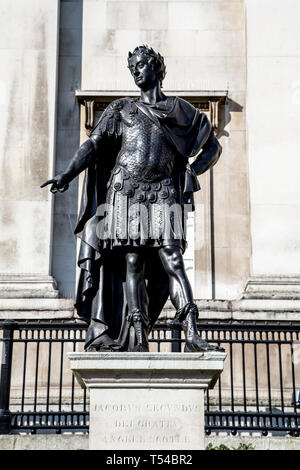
(225, 111)
(67, 142)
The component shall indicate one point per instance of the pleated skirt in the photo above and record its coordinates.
(140, 214)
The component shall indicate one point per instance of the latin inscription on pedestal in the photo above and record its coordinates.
(146, 419)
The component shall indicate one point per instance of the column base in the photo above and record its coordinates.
(273, 287)
(32, 297)
(25, 286)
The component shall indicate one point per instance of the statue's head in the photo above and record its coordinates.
(146, 66)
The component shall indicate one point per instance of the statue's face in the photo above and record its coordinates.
(142, 71)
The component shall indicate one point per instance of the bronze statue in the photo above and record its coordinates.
(138, 187)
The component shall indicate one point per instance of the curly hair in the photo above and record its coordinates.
(155, 57)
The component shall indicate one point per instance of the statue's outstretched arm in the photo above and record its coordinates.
(210, 154)
(80, 161)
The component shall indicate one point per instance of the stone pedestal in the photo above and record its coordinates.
(147, 400)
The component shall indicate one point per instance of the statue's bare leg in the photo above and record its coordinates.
(182, 298)
(137, 299)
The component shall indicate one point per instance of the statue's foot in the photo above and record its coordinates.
(193, 342)
(197, 344)
(103, 343)
(141, 348)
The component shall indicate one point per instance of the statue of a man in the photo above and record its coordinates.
(138, 185)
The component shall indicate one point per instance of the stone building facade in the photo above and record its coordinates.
(237, 59)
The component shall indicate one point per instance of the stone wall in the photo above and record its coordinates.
(28, 56)
(273, 117)
(28, 117)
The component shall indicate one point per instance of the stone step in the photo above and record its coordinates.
(266, 295)
(243, 310)
(36, 309)
(20, 286)
(246, 309)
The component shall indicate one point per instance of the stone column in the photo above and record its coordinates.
(273, 147)
(147, 400)
(28, 55)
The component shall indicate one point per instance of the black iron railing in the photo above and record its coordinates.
(259, 389)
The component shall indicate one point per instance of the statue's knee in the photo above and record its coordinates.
(173, 257)
(177, 261)
(134, 263)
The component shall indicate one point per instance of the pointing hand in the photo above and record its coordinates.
(59, 183)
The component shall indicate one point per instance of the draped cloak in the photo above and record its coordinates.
(101, 284)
